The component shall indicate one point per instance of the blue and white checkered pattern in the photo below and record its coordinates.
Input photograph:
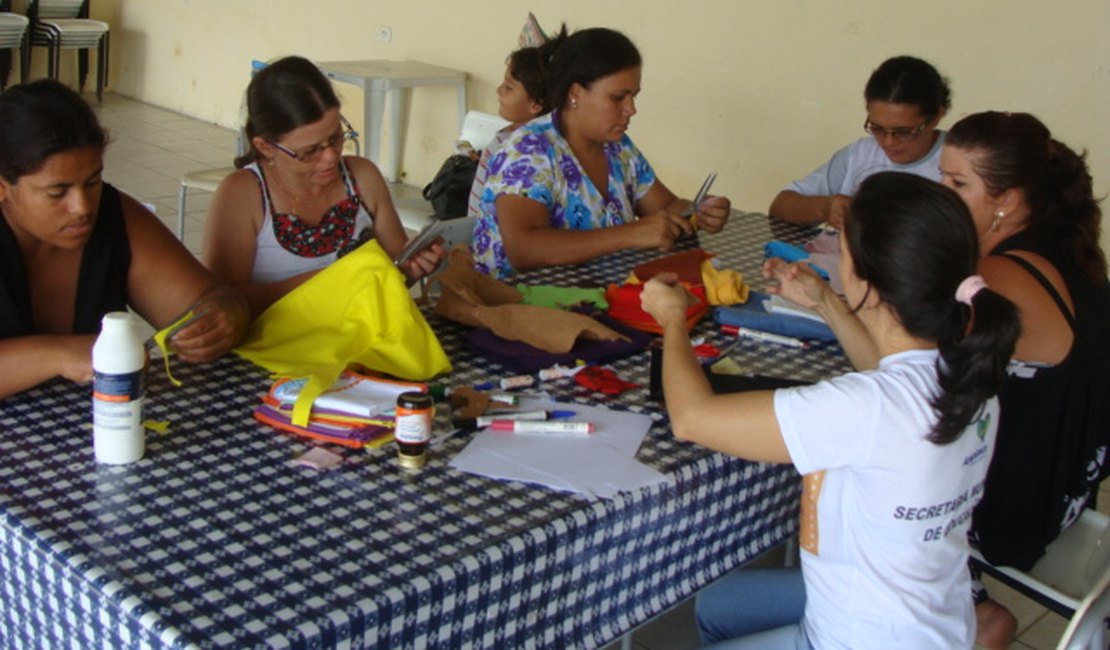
(215, 540)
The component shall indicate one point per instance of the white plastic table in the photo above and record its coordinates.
(379, 78)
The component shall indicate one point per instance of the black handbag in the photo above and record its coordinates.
(449, 191)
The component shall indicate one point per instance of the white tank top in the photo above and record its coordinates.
(286, 246)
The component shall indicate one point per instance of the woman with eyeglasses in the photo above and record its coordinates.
(571, 186)
(296, 203)
(1038, 222)
(905, 99)
(73, 248)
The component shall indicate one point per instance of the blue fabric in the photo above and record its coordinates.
(753, 316)
(753, 601)
(791, 253)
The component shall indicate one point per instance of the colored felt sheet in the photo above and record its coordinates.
(520, 357)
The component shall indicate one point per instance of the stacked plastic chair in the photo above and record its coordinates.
(65, 25)
(13, 36)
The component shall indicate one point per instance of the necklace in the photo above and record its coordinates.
(299, 199)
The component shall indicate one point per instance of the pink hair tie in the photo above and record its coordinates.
(969, 287)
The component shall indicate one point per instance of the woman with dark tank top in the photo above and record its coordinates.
(73, 248)
(1031, 198)
(296, 203)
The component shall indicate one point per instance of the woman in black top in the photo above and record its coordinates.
(1038, 221)
(72, 248)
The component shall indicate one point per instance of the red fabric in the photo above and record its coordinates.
(624, 306)
(603, 380)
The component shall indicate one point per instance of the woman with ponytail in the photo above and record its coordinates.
(1038, 223)
(893, 456)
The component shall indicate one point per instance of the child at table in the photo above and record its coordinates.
(893, 456)
(521, 96)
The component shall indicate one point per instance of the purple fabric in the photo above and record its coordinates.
(522, 358)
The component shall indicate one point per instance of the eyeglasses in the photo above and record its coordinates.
(898, 135)
(313, 153)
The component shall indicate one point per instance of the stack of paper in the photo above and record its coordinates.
(599, 464)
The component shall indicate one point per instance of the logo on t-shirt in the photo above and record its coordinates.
(811, 493)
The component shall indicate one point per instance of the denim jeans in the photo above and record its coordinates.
(764, 606)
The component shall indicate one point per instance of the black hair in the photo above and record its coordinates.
(914, 242)
(586, 56)
(288, 93)
(40, 119)
(529, 66)
(1016, 150)
(909, 80)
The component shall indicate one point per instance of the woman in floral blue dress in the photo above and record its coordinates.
(571, 186)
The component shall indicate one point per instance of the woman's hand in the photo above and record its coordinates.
(425, 261)
(665, 300)
(74, 357)
(660, 230)
(712, 213)
(221, 325)
(795, 281)
(836, 210)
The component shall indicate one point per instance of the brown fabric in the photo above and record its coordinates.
(475, 299)
(687, 265)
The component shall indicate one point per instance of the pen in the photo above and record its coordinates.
(528, 426)
(768, 337)
(486, 420)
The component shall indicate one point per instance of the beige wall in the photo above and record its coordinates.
(760, 90)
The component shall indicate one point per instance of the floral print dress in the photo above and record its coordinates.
(536, 162)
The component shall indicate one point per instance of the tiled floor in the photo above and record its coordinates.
(152, 148)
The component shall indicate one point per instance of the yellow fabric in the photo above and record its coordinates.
(356, 311)
(723, 287)
(161, 339)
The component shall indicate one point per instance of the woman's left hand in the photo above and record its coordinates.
(712, 213)
(221, 325)
(425, 262)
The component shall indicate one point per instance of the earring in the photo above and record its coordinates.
(573, 103)
(999, 215)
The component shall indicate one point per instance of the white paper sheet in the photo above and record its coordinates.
(600, 464)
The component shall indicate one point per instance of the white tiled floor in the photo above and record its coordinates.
(152, 148)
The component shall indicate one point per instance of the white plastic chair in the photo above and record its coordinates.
(13, 36)
(477, 130)
(1072, 579)
(65, 25)
(1087, 629)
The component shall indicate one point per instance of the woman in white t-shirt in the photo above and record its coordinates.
(905, 99)
(893, 456)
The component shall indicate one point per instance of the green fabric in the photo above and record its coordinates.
(546, 295)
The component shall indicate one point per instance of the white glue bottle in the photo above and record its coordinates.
(117, 361)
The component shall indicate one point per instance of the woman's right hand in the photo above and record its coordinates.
(836, 210)
(660, 230)
(795, 281)
(74, 357)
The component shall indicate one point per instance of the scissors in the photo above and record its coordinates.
(689, 212)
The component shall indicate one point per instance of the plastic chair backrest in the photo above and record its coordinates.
(61, 8)
(1087, 628)
(479, 128)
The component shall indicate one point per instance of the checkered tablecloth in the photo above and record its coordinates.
(215, 540)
